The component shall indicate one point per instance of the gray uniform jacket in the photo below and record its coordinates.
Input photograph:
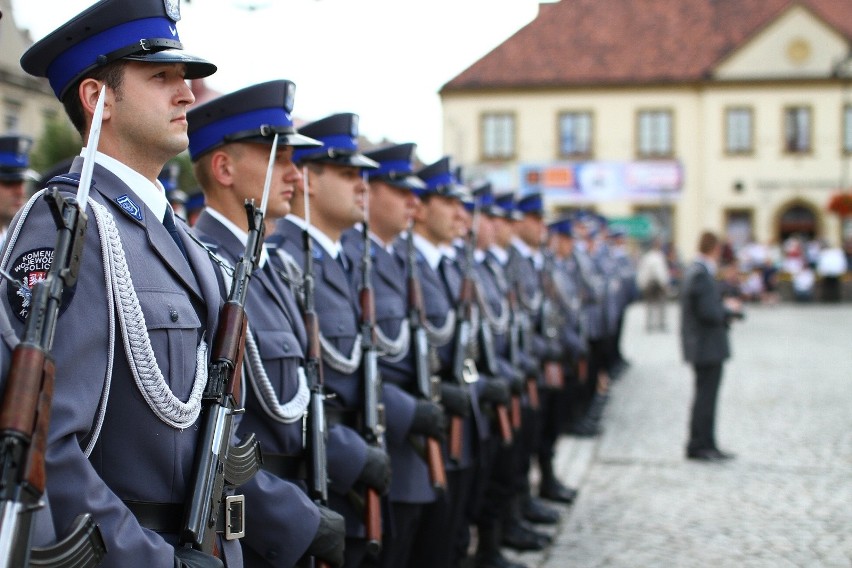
(410, 482)
(337, 314)
(137, 456)
(704, 324)
(282, 520)
(592, 291)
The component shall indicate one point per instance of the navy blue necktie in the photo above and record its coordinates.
(169, 224)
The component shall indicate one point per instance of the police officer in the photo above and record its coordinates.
(336, 202)
(437, 221)
(571, 292)
(594, 323)
(230, 140)
(409, 417)
(131, 340)
(516, 532)
(14, 174)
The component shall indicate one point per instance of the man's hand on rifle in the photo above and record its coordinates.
(429, 420)
(377, 471)
(191, 558)
(455, 399)
(516, 381)
(330, 539)
(495, 391)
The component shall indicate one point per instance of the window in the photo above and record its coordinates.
(575, 134)
(655, 134)
(847, 129)
(11, 116)
(739, 131)
(797, 130)
(498, 136)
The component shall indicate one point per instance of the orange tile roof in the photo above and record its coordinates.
(613, 42)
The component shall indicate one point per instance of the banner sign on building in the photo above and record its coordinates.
(584, 182)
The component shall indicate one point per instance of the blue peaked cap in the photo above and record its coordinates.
(338, 134)
(532, 204)
(562, 227)
(15, 158)
(440, 179)
(504, 206)
(169, 176)
(396, 166)
(252, 114)
(138, 30)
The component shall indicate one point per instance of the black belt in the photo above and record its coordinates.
(347, 417)
(284, 466)
(168, 517)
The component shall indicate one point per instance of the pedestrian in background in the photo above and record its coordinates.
(705, 319)
(652, 276)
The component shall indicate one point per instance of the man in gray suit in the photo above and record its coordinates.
(131, 340)
(704, 338)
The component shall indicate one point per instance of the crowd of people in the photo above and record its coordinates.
(800, 269)
(404, 346)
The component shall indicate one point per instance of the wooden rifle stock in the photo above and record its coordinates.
(504, 424)
(373, 419)
(433, 455)
(516, 411)
(217, 464)
(25, 410)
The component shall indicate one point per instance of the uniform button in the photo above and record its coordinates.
(173, 314)
(340, 327)
(286, 348)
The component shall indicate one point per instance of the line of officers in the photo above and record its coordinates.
(541, 306)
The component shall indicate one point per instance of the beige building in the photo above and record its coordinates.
(26, 102)
(729, 115)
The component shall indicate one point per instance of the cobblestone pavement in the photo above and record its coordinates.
(785, 409)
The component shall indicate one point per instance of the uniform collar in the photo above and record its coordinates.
(499, 253)
(430, 252)
(332, 248)
(152, 194)
(241, 235)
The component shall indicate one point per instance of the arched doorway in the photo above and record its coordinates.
(797, 219)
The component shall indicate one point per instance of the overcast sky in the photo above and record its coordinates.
(383, 59)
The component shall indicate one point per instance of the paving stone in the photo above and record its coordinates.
(784, 409)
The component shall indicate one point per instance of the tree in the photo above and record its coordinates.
(59, 141)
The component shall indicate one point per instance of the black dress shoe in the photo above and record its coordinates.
(497, 560)
(553, 490)
(517, 536)
(537, 512)
(722, 456)
(708, 455)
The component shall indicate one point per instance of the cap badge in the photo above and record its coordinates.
(172, 9)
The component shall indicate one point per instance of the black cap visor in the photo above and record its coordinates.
(196, 68)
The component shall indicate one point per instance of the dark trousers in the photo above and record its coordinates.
(396, 548)
(702, 425)
(437, 537)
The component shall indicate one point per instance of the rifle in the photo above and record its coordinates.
(427, 383)
(25, 411)
(373, 428)
(316, 427)
(515, 352)
(551, 321)
(486, 339)
(519, 338)
(217, 463)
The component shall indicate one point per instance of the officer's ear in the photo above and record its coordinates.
(222, 167)
(89, 90)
